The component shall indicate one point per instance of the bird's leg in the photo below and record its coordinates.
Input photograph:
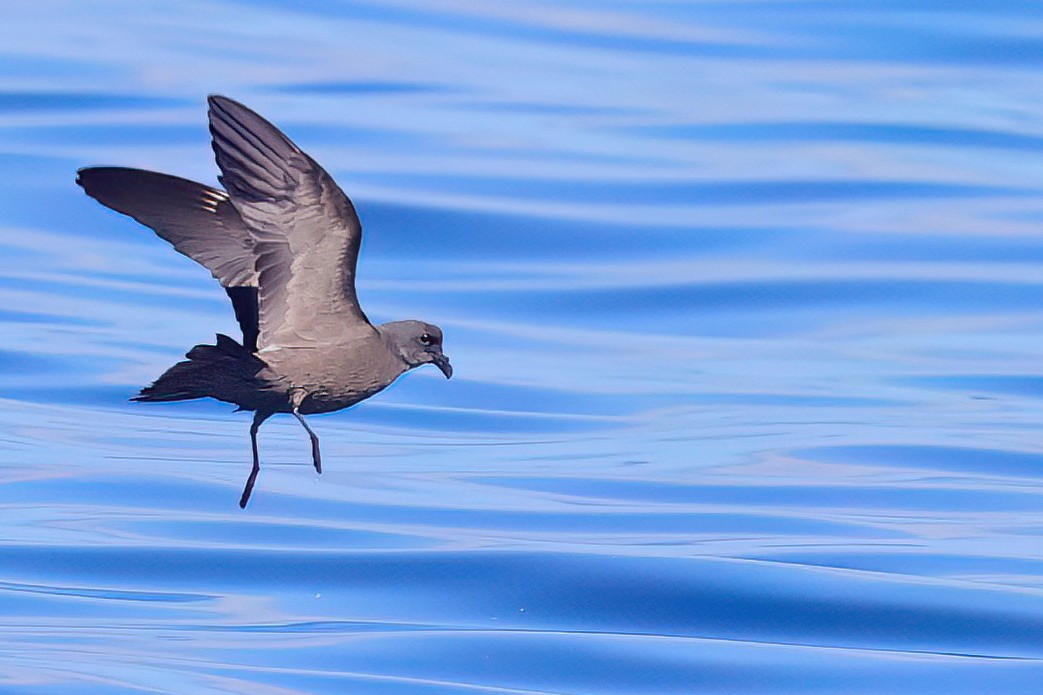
(315, 457)
(297, 397)
(259, 417)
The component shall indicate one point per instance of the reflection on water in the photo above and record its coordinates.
(743, 301)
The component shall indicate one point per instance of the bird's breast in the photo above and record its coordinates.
(338, 376)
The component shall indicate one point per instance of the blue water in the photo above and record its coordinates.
(745, 302)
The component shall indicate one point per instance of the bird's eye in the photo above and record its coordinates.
(426, 339)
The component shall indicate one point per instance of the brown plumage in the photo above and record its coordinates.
(283, 240)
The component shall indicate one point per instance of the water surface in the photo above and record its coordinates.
(744, 305)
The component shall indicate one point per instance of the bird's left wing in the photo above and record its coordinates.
(197, 220)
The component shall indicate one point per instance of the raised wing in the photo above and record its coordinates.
(198, 220)
(305, 230)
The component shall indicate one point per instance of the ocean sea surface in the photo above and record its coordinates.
(745, 303)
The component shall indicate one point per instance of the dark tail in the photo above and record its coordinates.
(214, 371)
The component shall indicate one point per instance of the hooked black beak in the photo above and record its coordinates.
(442, 362)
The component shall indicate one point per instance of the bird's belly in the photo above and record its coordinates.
(317, 402)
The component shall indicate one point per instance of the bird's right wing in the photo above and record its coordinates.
(198, 220)
(305, 229)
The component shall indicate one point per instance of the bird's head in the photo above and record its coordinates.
(417, 343)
